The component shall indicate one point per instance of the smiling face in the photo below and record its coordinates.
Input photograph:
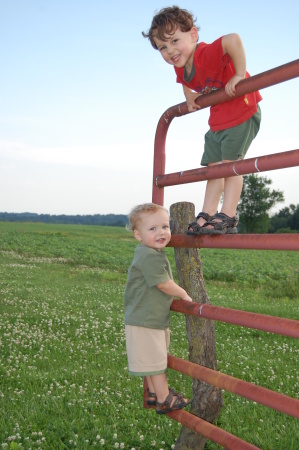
(178, 48)
(153, 230)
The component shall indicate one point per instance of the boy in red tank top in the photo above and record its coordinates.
(202, 68)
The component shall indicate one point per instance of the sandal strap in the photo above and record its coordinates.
(226, 221)
(204, 215)
(151, 394)
(167, 405)
(167, 401)
(194, 225)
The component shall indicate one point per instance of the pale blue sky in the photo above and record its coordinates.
(81, 93)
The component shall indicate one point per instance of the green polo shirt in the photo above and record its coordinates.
(145, 305)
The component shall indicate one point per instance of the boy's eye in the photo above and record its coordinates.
(165, 227)
(152, 229)
(175, 41)
(161, 49)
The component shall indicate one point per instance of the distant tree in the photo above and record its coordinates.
(256, 201)
(286, 220)
(295, 219)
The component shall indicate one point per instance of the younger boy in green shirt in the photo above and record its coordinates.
(148, 296)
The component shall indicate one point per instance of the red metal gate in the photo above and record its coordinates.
(287, 327)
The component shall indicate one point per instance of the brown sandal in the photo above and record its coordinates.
(153, 395)
(226, 224)
(168, 405)
(197, 229)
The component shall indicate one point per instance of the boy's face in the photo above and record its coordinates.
(178, 49)
(153, 230)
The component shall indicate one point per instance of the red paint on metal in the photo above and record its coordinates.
(266, 397)
(261, 81)
(278, 325)
(278, 242)
(252, 165)
(239, 241)
(210, 431)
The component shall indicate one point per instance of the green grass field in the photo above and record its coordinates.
(64, 380)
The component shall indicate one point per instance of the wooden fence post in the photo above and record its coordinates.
(207, 400)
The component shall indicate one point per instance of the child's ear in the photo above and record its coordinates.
(137, 235)
(194, 34)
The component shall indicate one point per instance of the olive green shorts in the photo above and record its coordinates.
(232, 143)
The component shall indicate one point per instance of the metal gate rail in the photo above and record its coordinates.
(266, 79)
(272, 324)
(276, 161)
(287, 327)
(280, 402)
(210, 431)
(238, 241)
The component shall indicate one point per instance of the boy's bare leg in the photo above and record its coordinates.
(159, 385)
(231, 187)
(150, 384)
(213, 193)
(214, 189)
(232, 193)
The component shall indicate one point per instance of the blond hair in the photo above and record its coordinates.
(136, 213)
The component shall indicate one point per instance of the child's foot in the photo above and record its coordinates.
(173, 402)
(220, 223)
(195, 228)
(151, 398)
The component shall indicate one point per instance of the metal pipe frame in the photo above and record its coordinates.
(238, 241)
(277, 325)
(266, 79)
(210, 431)
(258, 394)
(263, 322)
(276, 161)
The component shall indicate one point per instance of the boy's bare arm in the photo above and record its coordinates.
(171, 288)
(233, 46)
(191, 96)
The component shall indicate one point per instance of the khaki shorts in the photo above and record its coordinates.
(147, 350)
(232, 143)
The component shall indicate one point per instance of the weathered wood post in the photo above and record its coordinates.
(201, 332)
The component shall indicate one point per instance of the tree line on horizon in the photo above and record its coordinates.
(113, 220)
(256, 201)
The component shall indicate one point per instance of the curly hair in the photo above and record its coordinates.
(166, 21)
(135, 214)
